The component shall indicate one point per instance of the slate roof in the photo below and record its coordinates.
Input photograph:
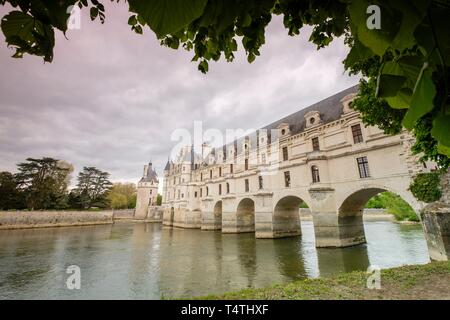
(151, 175)
(330, 109)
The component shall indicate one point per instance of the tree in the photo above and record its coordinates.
(44, 182)
(92, 189)
(411, 50)
(10, 195)
(123, 196)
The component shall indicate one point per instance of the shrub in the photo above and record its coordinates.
(425, 187)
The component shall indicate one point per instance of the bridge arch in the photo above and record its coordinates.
(354, 202)
(217, 214)
(286, 217)
(245, 215)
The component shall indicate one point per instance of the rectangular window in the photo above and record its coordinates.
(195, 194)
(201, 176)
(363, 167)
(201, 192)
(247, 186)
(220, 189)
(246, 164)
(228, 187)
(285, 154)
(357, 134)
(210, 174)
(315, 144)
(261, 182)
(287, 179)
(231, 168)
(220, 171)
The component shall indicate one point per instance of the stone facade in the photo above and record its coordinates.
(322, 155)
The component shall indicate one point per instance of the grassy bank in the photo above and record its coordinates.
(430, 281)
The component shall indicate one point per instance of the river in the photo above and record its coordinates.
(148, 261)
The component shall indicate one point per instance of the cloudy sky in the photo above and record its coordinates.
(112, 98)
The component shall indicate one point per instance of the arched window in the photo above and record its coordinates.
(228, 187)
(315, 174)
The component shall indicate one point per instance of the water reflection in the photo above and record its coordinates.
(147, 261)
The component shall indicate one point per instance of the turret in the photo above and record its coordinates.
(147, 192)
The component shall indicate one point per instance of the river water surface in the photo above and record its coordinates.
(148, 261)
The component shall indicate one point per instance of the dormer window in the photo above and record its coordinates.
(283, 129)
(346, 102)
(312, 118)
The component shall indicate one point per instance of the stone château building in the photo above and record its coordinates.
(322, 155)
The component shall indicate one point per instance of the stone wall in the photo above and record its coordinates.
(39, 219)
(123, 214)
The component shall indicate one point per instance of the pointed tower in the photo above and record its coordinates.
(147, 192)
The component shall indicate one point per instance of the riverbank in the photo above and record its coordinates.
(429, 281)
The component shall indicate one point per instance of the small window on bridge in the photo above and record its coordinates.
(287, 179)
(363, 167)
(315, 174)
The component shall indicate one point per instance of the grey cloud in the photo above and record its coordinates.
(112, 98)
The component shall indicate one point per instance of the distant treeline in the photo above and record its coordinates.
(43, 184)
(394, 205)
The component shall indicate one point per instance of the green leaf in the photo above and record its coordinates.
(378, 40)
(94, 13)
(132, 20)
(358, 53)
(167, 16)
(422, 100)
(389, 85)
(442, 149)
(401, 100)
(441, 130)
(19, 24)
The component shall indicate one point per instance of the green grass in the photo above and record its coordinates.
(408, 282)
(394, 205)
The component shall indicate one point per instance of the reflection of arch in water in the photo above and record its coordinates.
(286, 217)
(340, 260)
(245, 215)
(172, 216)
(289, 258)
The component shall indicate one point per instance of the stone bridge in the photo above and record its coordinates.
(323, 156)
